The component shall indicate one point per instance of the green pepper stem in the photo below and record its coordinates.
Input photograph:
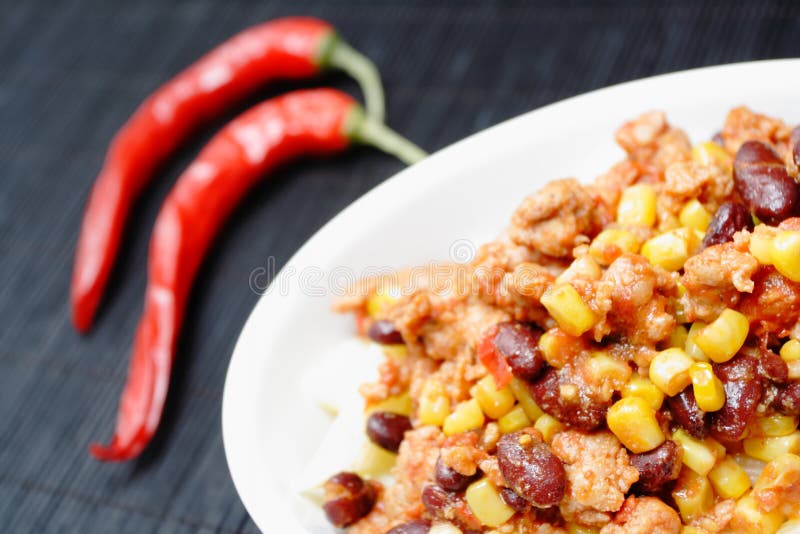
(337, 54)
(366, 130)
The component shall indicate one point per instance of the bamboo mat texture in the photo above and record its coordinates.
(70, 75)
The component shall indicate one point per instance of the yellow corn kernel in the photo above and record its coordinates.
(397, 352)
(486, 504)
(637, 206)
(549, 426)
(790, 351)
(730, 481)
(549, 345)
(434, 403)
(723, 338)
(603, 368)
(693, 495)
(669, 370)
(525, 399)
(749, 517)
(695, 352)
(761, 248)
(585, 268)
(710, 153)
(669, 250)
(400, 404)
(773, 426)
(694, 215)
(769, 448)
(639, 386)
(494, 402)
(785, 254)
(574, 528)
(466, 416)
(514, 420)
(634, 423)
(373, 461)
(380, 301)
(569, 310)
(612, 243)
(678, 337)
(708, 390)
(699, 456)
(689, 529)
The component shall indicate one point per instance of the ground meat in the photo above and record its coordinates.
(778, 486)
(715, 279)
(650, 141)
(598, 475)
(608, 187)
(520, 291)
(644, 515)
(716, 519)
(416, 460)
(463, 458)
(688, 180)
(742, 125)
(639, 299)
(555, 219)
(774, 304)
(528, 523)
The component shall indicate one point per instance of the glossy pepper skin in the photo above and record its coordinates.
(302, 123)
(289, 48)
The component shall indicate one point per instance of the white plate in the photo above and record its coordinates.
(463, 194)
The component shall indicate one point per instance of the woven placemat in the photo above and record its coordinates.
(69, 76)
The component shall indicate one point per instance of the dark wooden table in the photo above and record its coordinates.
(70, 74)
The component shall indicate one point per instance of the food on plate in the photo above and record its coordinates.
(301, 123)
(286, 48)
(624, 358)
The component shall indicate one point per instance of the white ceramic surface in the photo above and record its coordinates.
(271, 425)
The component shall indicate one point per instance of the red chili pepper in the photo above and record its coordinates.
(491, 358)
(287, 48)
(310, 122)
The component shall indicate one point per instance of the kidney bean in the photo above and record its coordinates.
(740, 379)
(386, 429)
(583, 412)
(417, 526)
(531, 469)
(729, 219)
(384, 332)
(763, 182)
(656, 468)
(687, 413)
(519, 345)
(794, 142)
(772, 367)
(436, 500)
(516, 501)
(347, 499)
(450, 479)
(787, 399)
